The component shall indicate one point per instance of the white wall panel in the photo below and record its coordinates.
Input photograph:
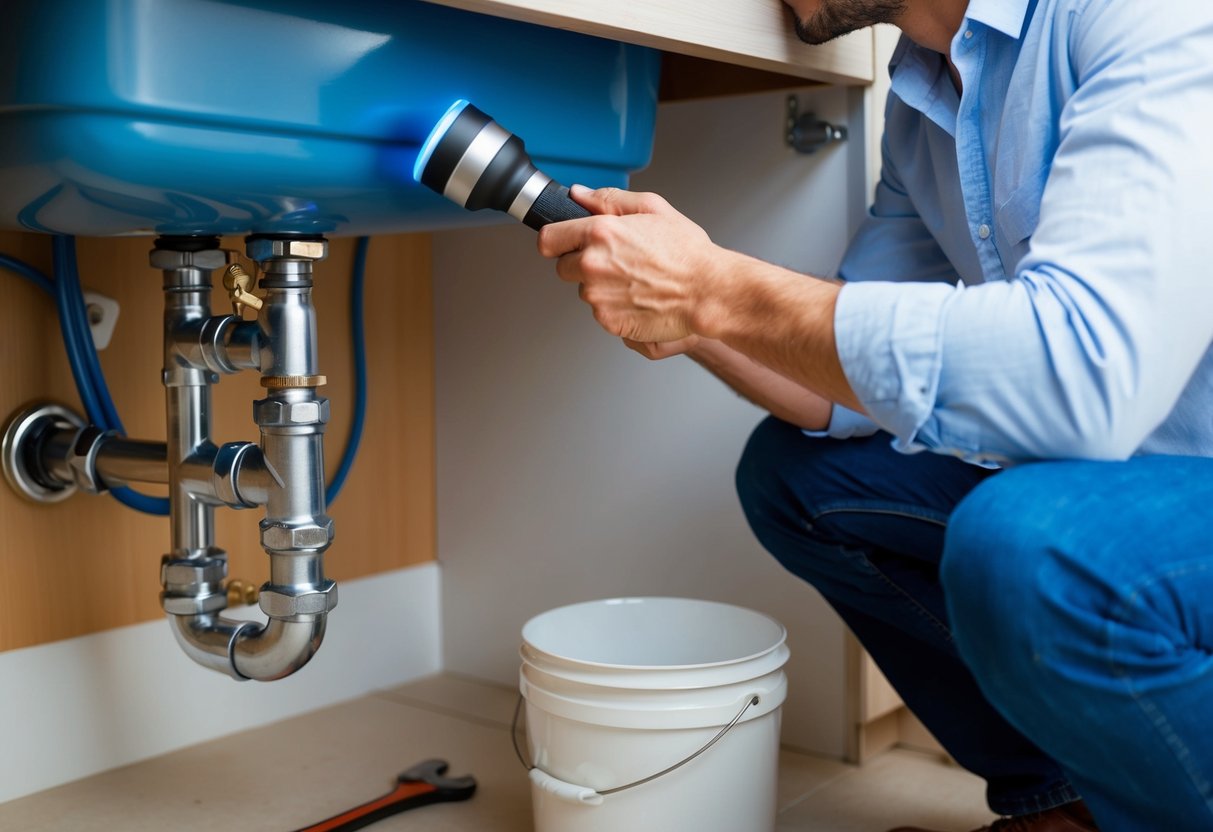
(570, 468)
(76, 707)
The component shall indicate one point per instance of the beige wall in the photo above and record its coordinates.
(571, 468)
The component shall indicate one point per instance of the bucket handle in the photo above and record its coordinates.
(584, 794)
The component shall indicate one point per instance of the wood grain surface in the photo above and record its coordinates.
(752, 33)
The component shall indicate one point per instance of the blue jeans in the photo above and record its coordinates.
(1052, 625)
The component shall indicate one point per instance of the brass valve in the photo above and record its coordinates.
(241, 592)
(239, 285)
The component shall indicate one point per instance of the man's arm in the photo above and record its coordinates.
(754, 382)
(893, 243)
(1082, 354)
(652, 275)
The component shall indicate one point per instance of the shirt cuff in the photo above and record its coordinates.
(845, 423)
(888, 337)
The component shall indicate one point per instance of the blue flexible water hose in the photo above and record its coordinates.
(28, 272)
(88, 396)
(90, 381)
(77, 318)
(357, 281)
(86, 369)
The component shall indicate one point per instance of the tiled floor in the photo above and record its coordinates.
(302, 770)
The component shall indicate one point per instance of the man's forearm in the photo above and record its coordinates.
(763, 386)
(778, 318)
(653, 276)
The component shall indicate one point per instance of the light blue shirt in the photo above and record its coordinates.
(1034, 279)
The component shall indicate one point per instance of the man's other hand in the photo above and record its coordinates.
(657, 350)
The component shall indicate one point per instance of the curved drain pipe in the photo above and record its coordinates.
(285, 474)
(48, 453)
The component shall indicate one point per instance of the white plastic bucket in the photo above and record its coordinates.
(619, 690)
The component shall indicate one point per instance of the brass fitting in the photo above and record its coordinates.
(241, 592)
(239, 285)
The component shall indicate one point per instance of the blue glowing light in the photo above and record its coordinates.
(436, 135)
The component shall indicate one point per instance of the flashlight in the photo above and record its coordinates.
(474, 162)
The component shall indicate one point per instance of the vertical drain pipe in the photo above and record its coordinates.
(296, 530)
(47, 451)
(286, 474)
(192, 573)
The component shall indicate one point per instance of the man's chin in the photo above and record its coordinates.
(815, 36)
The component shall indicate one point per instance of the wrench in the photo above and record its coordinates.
(421, 785)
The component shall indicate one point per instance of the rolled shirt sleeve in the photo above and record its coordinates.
(892, 244)
(1095, 338)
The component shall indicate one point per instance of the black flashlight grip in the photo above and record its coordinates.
(553, 205)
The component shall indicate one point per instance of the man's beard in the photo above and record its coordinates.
(838, 17)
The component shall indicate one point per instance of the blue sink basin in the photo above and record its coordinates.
(212, 117)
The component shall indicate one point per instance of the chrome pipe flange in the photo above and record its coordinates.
(19, 450)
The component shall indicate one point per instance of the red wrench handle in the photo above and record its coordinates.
(404, 796)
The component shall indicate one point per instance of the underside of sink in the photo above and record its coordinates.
(188, 117)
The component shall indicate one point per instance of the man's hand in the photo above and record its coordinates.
(655, 279)
(640, 264)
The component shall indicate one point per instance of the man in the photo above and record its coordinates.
(1031, 284)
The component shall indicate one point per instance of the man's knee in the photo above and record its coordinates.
(1002, 573)
(762, 473)
(782, 474)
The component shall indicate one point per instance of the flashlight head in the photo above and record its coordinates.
(440, 130)
(476, 163)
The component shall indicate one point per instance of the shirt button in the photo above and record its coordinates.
(969, 34)
(983, 231)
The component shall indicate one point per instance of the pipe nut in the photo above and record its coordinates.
(193, 604)
(284, 602)
(279, 413)
(82, 458)
(167, 259)
(190, 576)
(263, 248)
(284, 537)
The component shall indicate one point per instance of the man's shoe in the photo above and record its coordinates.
(1072, 817)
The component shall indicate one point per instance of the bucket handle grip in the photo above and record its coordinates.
(584, 794)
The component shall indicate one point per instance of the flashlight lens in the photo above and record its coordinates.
(431, 141)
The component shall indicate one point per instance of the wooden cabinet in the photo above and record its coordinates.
(749, 33)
